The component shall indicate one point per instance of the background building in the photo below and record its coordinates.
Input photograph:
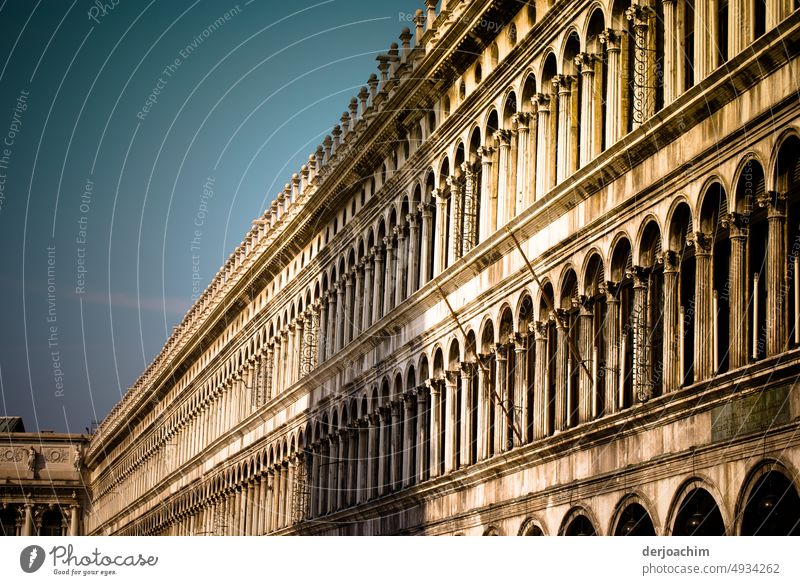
(540, 279)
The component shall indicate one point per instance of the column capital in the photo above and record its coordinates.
(563, 83)
(639, 14)
(702, 243)
(455, 183)
(542, 102)
(736, 223)
(451, 377)
(502, 138)
(610, 38)
(670, 260)
(585, 63)
(521, 120)
(611, 289)
(485, 152)
(774, 201)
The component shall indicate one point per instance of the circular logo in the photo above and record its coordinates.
(31, 558)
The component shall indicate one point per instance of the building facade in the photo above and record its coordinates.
(42, 490)
(539, 279)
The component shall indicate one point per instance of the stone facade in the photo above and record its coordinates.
(540, 279)
(42, 490)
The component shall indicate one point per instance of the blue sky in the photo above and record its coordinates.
(113, 121)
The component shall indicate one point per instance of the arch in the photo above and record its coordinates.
(492, 530)
(634, 515)
(570, 50)
(695, 511)
(532, 526)
(649, 241)
(679, 224)
(569, 287)
(594, 276)
(579, 521)
(768, 502)
(454, 355)
(785, 162)
(487, 335)
(748, 183)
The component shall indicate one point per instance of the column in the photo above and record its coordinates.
(671, 44)
(503, 141)
(775, 203)
(352, 466)
(349, 311)
(388, 293)
(642, 383)
(377, 287)
(454, 249)
(330, 343)
(263, 494)
(268, 373)
(440, 253)
(543, 144)
(358, 299)
(237, 511)
(341, 473)
(585, 63)
(586, 392)
(499, 399)
(366, 319)
(562, 84)
(363, 468)
(250, 514)
(273, 484)
(521, 120)
(520, 388)
(488, 199)
(291, 356)
(412, 275)
(400, 265)
(333, 472)
(612, 348)
(703, 318)
(484, 398)
(705, 17)
(408, 439)
(562, 370)
(737, 295)
(282, 360)
(372, 456)
(314, 338)
(540, 381)
(615, 87)
(314, 487)
(322, 331)
(383, 448)
(395, 461)
(74, 520)
(422, 439)
(425, 253)
(466, 426)
(301, 351)
(672, 377)
(450, 417)
(341, 311)
(436, 425)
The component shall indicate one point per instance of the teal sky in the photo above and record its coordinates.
(113, 121)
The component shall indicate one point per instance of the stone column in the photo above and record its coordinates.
(366, 319)
(586, 390)
(562, 370)
(400, 265)
(484, 397)
(388, 293)
(612, 348)
(703, 318)
(301, 356)
(615, 87)
(523, 198)
(436, 425)
(503, 141)
(274, 485)
(383, 449)
(422, 439)
(358, 301)
(425, 253)
(74, 520)
(777, 286)
(671, 331)
(268, 373)
(315, 479)
(342, 473)
(237, 511)
(377, 289)
(540, 381)
(341, 311)
(322, 332)
(543, 144)
(737, 295)
(454, 248)
(450, 417)
(333, 472)
(364, 443)
(372, 456)
(642, 382)
(440, 253)
(562, 84)
(465, 411)
(251, 514)
(314, 339)
(331, 341)
(671, 54)
(500, 415)
(488, 199)
(412, 276)
(263, 509)
(395, 456)
(585, 63)
(705, 28)
(408, 439)
(291, 356)
(520, 388)
(352, 466)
